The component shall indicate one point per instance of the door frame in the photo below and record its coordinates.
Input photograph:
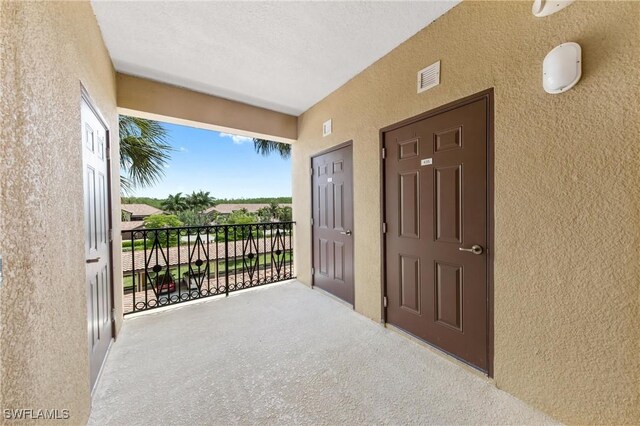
(318, 154)
(84, 95)
(487, 96)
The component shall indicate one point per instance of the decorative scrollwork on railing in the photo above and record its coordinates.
(173, 265)
(278, 248)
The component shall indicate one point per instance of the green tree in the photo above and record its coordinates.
(175, 203)
(264, 214)
(194, 217)
(144, 152)
(162, 221)
(240, 217)
(267, 147)
(274, 209)
(285, 214)
(200, 200)
(158, 221)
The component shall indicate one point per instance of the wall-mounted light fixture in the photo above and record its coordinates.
(542, 8)
(562, 68)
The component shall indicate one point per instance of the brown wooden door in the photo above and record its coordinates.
(97, 241)
(333, 222)
(436, 186)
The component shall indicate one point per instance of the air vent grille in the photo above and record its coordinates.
(429, 77)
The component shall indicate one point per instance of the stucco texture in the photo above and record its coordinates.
(47, 50)
(567, 320)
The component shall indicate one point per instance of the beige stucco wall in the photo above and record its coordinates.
(46, 51)
(163, 102)
(567, 186)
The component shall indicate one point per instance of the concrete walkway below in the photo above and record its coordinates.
(286, 354)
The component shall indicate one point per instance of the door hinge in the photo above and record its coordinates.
(384, 153)
(384, 301)
(384, 227)
(313, 271)
(311, 221)
(110, 234)
(311, 171)
(113, 314)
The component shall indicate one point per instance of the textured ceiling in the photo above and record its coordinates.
(284, 56)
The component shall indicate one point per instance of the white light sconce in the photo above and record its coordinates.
(543, 8)
(562, 68)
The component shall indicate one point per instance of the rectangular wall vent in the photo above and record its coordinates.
(326, 128)
(429, 77)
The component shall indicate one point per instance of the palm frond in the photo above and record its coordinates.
(144, 151)
(267, 147)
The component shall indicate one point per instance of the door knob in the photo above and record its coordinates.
(475, 249)
(94, 260)
(347, 232)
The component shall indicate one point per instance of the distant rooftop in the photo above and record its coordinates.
(141, 209)
(131, 225)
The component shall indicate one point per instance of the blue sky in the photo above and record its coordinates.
(225, 165)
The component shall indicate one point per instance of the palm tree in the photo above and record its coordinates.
(274, 209)
(175, 203)
(266, 147)
(264, 214)
(285, 214)
(144, 152)
(200, 200)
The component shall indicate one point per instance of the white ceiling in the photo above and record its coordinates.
(285, 56)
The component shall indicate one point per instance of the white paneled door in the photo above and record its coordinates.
(95, 148)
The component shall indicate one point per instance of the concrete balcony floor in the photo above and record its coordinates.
(286, 354)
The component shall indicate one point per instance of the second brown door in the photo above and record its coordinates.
(436, 240)
(333, 222)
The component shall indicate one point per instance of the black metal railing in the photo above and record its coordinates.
(172, 265)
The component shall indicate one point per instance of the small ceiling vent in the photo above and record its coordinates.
(429, 77)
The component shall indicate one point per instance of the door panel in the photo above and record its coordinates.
(97, 244)
(436, 204)
(410, 283)
(409, 204)
(448, 192)
(449, 294)
(333, 222)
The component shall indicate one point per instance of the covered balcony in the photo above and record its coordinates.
(464, 175)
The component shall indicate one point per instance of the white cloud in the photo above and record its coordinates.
(183, 149)
(235, 138)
